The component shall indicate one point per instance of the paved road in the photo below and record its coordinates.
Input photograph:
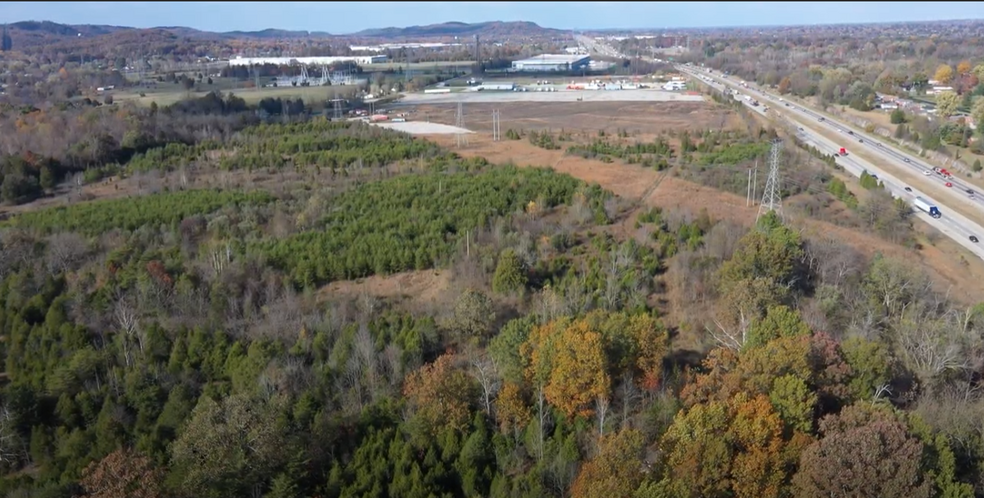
(952, 224)
(960, 191)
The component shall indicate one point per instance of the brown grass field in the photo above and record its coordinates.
(951, 266)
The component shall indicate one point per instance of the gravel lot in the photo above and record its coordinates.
(559, 96)
(423, 128)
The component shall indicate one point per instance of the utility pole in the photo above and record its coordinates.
(755, 174)
(406, 74)
(496, 130)
(748, 189)
(460, 138)
(772, 197)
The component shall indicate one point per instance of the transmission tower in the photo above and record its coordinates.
(496, 130)
(460, 138)
(406, 74)
(771, 198)
(337, 108)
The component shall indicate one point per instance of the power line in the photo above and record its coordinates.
(772, 197)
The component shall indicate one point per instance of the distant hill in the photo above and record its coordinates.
(27, 34)
(491, 29)
(99, 40)
(52, 28)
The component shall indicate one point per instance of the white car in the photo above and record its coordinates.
(927, 173)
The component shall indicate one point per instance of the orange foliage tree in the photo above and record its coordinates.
(579, 374)
(123, 473)
(574, 361)
(615, 471)
(963, 68)
(441, 393)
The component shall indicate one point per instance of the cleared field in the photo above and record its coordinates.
(635, 117)
(423, 128)
(558, 96)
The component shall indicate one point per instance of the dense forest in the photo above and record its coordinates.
(188, 341)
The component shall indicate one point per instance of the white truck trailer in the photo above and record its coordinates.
(924, 206)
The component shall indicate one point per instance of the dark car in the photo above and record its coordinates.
(908, 189)
(861, 140)
(973, 238)
(970, 192)
(849, 132)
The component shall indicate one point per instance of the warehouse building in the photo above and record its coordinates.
(548, 62)
(362, 60)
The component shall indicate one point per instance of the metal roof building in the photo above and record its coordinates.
(552, 62)
(361, 60)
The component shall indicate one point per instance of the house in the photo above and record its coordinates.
(939, 89)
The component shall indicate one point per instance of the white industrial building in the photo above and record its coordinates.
(396, 46)
(505, 86)
(362, 60)
(552, 62)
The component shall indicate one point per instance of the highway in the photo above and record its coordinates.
(952, 224)
(961, 191)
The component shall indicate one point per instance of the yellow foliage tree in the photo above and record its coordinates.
(979, 71)
(944, 73)
(579, 376)
(567, 359)
(946, 104)
(511, 409)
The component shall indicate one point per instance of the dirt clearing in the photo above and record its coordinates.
(642, 117)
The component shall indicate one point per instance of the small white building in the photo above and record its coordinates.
(675, 86)
(939, 89)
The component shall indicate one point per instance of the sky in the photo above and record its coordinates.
(349, 17)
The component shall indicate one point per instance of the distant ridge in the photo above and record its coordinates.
(461, 29)
(34, 33)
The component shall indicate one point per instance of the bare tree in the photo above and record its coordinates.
(365, 351)
(63, 251)
(619, 261)
(125, 315)
(601, 412)
(548, 305)
(11, 445)
(934, 345)
(731, 337)
(576, 295)
(486, 372)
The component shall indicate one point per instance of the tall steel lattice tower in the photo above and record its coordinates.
(460, 138)
(771, 197)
